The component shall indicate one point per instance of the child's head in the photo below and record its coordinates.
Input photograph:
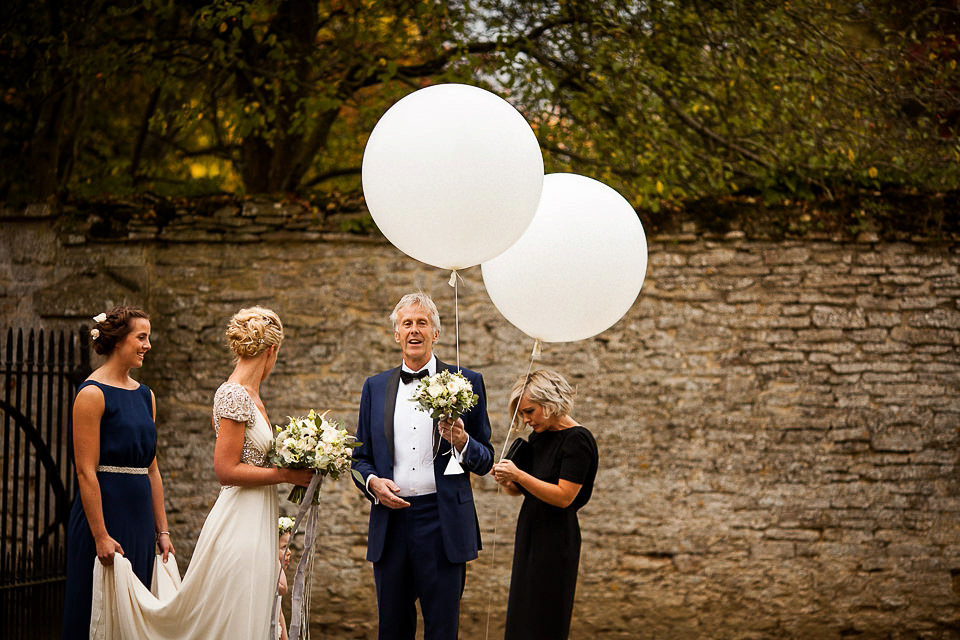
(285, 549)
(286, 529)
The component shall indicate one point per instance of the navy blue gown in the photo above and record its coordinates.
(546, 556)
(128, 438)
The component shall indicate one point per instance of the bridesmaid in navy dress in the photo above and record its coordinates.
(554, 471)
(120, 506)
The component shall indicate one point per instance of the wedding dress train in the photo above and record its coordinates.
(228, 590)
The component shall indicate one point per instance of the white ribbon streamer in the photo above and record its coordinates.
(311, 511)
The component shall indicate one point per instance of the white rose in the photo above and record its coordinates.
(434, 390)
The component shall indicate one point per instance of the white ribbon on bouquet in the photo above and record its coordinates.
(310, 512)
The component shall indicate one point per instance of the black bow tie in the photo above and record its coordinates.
(408, 377)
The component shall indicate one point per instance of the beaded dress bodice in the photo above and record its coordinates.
(233, 402)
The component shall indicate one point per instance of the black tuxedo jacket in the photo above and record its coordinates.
(458, 516)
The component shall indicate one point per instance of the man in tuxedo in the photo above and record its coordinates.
(423, 523)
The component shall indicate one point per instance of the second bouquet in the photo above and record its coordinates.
(446, 395)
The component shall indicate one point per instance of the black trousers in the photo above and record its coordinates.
(414, 566)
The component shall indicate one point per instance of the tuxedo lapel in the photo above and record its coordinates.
(390, 406)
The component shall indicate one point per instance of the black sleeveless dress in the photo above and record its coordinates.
(546, 555)
(128, 438)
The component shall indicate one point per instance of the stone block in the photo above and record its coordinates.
(838, 318)
(937, 319)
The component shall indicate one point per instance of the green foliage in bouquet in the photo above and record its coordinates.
(445, 395)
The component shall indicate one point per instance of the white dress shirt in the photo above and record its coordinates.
(413, 440)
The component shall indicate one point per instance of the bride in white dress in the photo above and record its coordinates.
(228, 590)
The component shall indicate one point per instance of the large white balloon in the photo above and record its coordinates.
(578, 267)
(452, 175)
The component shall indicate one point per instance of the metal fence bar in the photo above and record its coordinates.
(20, 565)
(40, 372)
(5, 513)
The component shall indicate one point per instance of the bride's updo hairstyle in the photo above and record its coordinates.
(252, 331)
(114, 327)
(546, 388)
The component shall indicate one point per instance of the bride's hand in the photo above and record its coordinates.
(300, 477)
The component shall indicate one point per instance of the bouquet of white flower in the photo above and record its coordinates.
(312, 442)
(445, 395)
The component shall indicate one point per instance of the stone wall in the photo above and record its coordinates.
(778, 420)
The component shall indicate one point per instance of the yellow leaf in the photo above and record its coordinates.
(659, 187)
(856, 113)
(872, 172)
(850, 154)
(953, 64)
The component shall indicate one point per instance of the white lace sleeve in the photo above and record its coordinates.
(234, 403)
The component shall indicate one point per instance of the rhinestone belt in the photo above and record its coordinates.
(137, 471)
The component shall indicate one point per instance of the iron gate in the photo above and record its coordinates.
(40, 377)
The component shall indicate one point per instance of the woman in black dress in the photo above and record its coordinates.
(554, 471)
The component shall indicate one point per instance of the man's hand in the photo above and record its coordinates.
(386, 491)
(453, 432)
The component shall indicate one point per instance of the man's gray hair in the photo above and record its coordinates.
(418, 299)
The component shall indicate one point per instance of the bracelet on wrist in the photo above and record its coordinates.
(162, 533)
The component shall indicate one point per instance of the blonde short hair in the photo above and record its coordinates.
(546, 388)
(418, 299)
(254, 330)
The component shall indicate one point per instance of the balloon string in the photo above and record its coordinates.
(456, 309)
(516, 409)
(496, 512)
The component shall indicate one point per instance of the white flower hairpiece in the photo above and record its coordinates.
(285, 524)
(100, 317)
